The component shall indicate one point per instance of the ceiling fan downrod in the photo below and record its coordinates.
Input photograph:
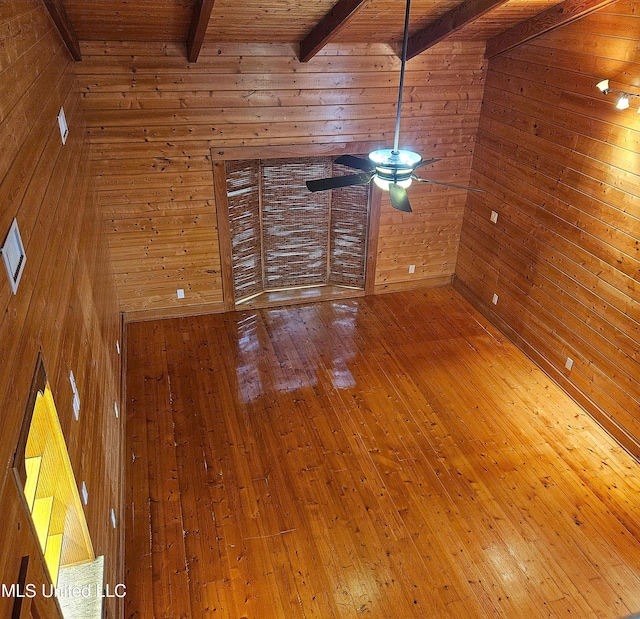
(403, 59)
(395, 166)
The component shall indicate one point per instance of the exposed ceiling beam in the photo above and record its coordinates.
(199, 24)
(63, 24)
(450, 22)
(554, 17)
(329, 26)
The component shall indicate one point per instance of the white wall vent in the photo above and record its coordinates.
(62, 123)
(14, 256)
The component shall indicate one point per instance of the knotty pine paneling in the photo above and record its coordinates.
(157, 20)
(559, 164)
(66, 306)
(153, 118)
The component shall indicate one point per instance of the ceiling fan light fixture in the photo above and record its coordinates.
(393, 166)
(384, 183)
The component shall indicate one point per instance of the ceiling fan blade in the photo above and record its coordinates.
(355, 162)
(426, 180)
(323, 184)
(426, 162)
(399, 198)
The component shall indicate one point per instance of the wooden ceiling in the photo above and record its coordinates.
(310, 24)
(274, 21)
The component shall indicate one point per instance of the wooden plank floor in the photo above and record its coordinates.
(385, 457)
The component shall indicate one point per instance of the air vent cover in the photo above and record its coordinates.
(14, 256)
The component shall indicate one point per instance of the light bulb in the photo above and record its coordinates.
(623, 102)
(380, 182)
(384, 184)
(603, 86)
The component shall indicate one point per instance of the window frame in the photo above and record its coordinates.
(220, 156)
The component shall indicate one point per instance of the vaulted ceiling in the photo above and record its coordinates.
(310, 24)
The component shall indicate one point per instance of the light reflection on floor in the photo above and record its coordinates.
(293, 374)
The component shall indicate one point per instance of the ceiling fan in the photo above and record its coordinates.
(391, 169)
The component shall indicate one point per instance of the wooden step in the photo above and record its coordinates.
(32, 466)
(52, 555)
(41, 516)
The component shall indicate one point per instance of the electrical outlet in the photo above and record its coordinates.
(62, 123)
(569, 363)
(494, 217)
(113, 518)
(85, 493)
(412, 268)
(495, 299)
(180, 293)
(116, 410)
(118, 346)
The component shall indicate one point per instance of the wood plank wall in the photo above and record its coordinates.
(152, 118)
(66, 306)
(559, 164)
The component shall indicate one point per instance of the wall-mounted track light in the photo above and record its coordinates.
(624, 98)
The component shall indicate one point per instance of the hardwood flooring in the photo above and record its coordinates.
(386, 457)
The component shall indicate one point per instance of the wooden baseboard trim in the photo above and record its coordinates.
(275, 299)
(626, 440)
(172, 312)
(414, 284)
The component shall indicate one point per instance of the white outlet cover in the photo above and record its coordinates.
(495, 299)
(118, 346)
(113, 518)
(569, 363)
(412, 268)
(180, 293)
(494, 217)
(115, 408)
(85, 494)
